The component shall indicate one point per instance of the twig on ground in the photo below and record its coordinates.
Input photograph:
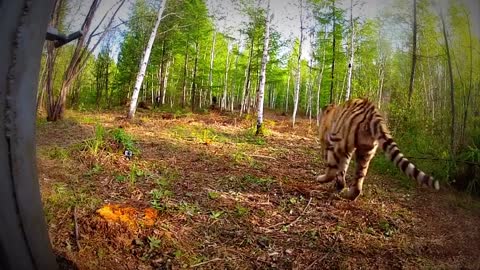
(261, 156)
(205, 262)
(77, 234)
(317, 261)
(296, 220)
(301, 215)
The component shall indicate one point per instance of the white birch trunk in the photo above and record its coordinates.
(144, 62)
(352, 50)
(212, 59)
(263, 71)
(286, 95)
(165, 80)
(223, 105)
(298, 72)
(320, 78)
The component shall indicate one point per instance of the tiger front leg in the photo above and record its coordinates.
(362, 161)
(337, 164)
(340, 179)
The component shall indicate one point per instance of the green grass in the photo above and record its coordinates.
(124, 140)
(58, 153)
(64, 197)
(264, 182)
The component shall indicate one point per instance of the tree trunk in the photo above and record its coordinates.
(223, 103)
(333, 53)
(246, 91)
(194, 83)
(165, 81)
(24, 241)
(298, 74)
(286, 93)
(380, 88)
(107, 75)
(42, 90)
(77, 63)
(352, 50)
(263, 75)
(210, 74)
(470, 85)
(310, 91)
(161, 98)
(452, 92)
(320, 79)
(144, 62)
(185, 71)
(414, 53)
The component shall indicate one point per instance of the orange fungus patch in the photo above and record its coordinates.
(128, 215)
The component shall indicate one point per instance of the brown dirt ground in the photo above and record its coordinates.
(229, 200)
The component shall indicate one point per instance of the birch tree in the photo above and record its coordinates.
(223, 103)
(144, 63)
(263, 78)
(298, 74)
(414, 52)
(212, 59)
(333, 52)
(352, 50)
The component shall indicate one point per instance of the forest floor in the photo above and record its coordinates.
(201, 191)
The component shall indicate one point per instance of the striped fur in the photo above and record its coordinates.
(358, 127)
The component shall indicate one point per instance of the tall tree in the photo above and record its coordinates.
(352, 51)
(414, 52)
(334, 25)
(452, 90)
(263, 76)
(144, 63)
(79, 59)
(298, 76)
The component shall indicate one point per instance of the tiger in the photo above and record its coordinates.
(357, 127)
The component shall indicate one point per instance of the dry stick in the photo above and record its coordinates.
(317, 261)
(296, 220)
(303, 212)
(202, 263)
(261, 156)
(77, 234)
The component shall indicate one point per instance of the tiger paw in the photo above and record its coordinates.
(351, 194)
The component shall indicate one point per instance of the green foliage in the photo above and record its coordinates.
(216, 214)
(213, 195)
(188, 209)
(97, 143)
(124, 139)
(265, 182)
(58, 153)
(153, 243)
(135, 173)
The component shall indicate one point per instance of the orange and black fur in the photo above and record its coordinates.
(358, 127)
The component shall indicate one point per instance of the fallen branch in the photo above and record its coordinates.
(202, 263)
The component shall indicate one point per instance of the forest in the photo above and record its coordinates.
(184, 134)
